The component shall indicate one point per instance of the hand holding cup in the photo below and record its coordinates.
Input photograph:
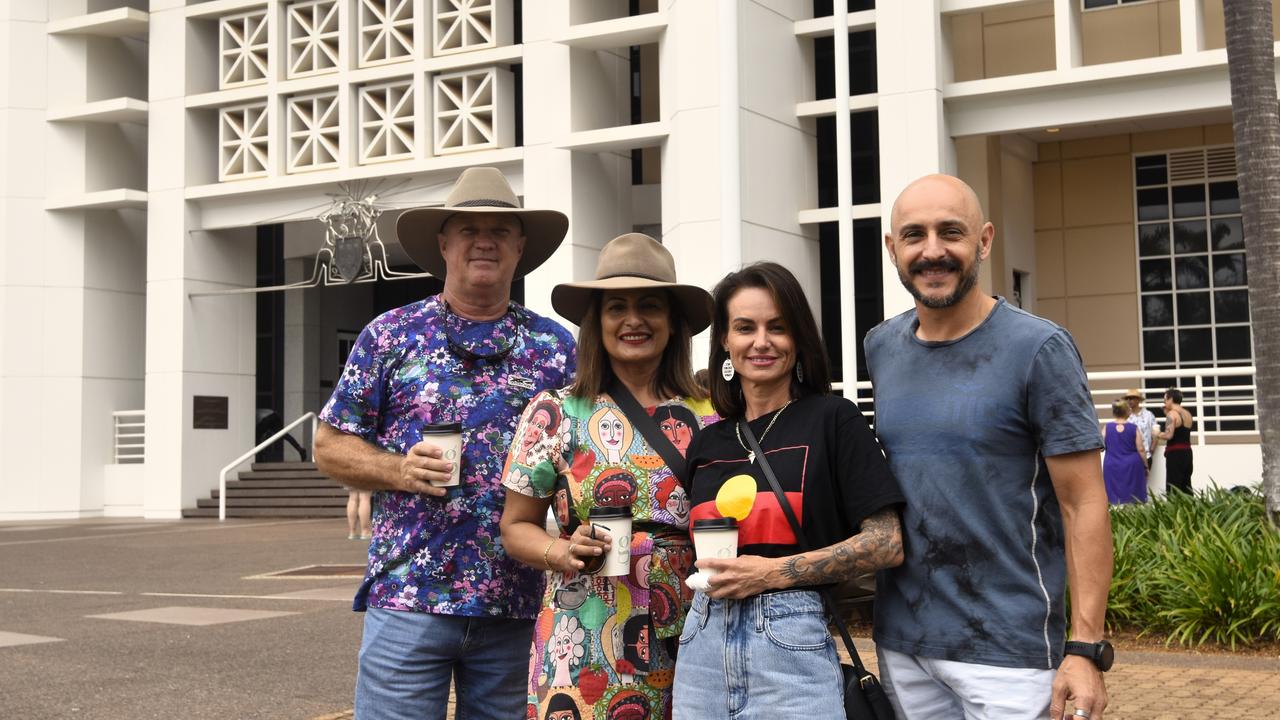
(423, 469)
(585, 549)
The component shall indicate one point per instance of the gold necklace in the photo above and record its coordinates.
(751, 454)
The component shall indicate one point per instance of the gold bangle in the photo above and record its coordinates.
(545, 559)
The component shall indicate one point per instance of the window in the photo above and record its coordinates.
(346, 343)
(1192, 276)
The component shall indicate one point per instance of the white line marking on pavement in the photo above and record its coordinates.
(163, 532)
(233, 597)
(62, 592)
(10, 639)
(312, 594)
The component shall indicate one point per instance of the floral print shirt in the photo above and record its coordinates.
(410, 368)
(601, 644)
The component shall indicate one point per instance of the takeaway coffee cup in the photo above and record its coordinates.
(448, 436)
(715, 538)
(617, 522)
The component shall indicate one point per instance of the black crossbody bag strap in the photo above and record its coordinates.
(644, 422)
(787, 510)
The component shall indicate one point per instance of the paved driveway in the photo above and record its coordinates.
(121, 619)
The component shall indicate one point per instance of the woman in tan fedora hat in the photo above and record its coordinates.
(604, 644)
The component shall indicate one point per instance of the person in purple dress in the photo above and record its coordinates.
(1124, 466)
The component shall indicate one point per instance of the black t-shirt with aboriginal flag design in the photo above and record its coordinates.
(825, 457)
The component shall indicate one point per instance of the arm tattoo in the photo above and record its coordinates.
(878, 545)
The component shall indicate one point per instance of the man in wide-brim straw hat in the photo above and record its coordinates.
(1142, 418)
(580, 448)
(443, 598)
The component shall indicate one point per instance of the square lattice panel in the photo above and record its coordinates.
(242, 141)
(312, 37)
(312, 131)
(242, 49)
(386, 121)
(385, 31)
(465, 25)
(473, 110)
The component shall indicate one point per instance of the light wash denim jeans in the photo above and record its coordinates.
(763, 658)
(407, 660)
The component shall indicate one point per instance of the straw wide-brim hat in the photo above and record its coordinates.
(1134, 393)
(480, 190)
(631, 262)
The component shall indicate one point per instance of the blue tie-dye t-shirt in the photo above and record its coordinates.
(444, 555)
(966, 425)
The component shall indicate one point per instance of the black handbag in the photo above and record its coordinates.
(864, 698)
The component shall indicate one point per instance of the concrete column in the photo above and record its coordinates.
(593, 189)
(1068, 46)
(41, 263)
(1191, 25)
(195, 346)
(70, 287)
(301, 341)
(913, 134)
(737, 166)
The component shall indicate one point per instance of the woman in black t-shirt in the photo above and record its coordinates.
(759, 628)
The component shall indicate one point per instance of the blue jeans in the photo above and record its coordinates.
(763, 658)
(407, 660)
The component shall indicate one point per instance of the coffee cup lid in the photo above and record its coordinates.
(609, 512)
(442, 428)
(724, 523)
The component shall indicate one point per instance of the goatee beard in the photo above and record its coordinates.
(967, 281)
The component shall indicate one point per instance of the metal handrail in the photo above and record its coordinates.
(222, 476)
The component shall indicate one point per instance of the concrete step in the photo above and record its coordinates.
(296, 465)
(277, 502)
(269, 512)
(317, 483)
(336, 492)
(284, 489)
(281, 474)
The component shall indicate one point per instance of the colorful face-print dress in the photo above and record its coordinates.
(600, 646)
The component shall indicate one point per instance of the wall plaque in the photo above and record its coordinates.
(209, 412)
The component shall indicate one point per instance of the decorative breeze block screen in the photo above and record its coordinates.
(242, 49)
(473, 110)
(463, 25)
(386, 121)
(242, 141)
(312, 131)
(385, 31)
(311, 30)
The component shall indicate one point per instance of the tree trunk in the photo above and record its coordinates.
(1256, 117)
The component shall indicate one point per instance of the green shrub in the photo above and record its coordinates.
(1203, 568)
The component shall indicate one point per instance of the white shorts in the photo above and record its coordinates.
(921, 687)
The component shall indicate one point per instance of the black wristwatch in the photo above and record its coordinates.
(1101, 653)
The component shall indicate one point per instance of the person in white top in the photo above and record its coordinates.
(1143, 418)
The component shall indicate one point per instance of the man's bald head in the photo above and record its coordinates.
(938, 191)
(937, 240)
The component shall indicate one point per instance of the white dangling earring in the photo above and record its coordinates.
(726, 370)
(799, 373)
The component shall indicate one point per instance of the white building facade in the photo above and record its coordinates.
(162, 155)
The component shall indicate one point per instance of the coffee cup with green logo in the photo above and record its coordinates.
(448, 437)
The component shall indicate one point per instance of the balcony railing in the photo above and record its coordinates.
(130, 436)
(1223, 400)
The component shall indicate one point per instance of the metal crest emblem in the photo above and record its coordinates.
(349, 256)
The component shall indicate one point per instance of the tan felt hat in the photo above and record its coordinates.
(480, 190)
(1134, 393)
(629, 262)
